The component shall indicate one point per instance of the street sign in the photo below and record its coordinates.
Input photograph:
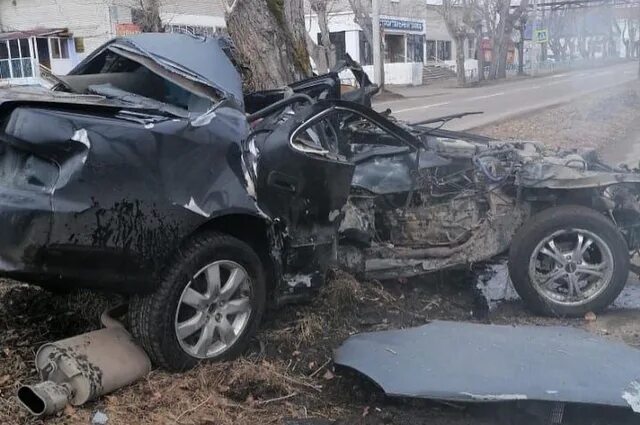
(399, 24)
(541, 36)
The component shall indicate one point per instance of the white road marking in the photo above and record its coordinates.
(433, 105)
(483, 97)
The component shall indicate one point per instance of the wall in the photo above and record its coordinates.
(399, 73)
(90, 19)
(205, 13)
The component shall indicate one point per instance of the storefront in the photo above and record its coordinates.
(403, 40)
(404, 44)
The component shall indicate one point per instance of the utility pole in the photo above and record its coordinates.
(377, 56)
(534, 43)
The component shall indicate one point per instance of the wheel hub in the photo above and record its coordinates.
(571, 267)
(214, 309)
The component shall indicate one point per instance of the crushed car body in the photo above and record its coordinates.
(148, 172)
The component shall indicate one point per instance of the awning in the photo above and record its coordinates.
(36, 32)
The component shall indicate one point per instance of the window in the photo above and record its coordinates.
(444, 50)
(79, 44)
(338, 41)
(431, 50)
(14, 49)
(471, 51)
(59, 48)
(394, 48)
(415, 47)
(55, 48)
(15, 58)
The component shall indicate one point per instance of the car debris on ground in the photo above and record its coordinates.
(470, 362)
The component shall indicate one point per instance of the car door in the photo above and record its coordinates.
(302, 183)
(27, 178)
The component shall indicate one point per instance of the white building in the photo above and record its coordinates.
(55, 35)
(413, 32)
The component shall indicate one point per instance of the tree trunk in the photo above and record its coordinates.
(460, 71)
(327, 47)
(479, 52)
(271, 40)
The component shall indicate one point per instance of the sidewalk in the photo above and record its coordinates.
(441, 87)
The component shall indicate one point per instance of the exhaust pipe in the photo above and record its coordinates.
(82, 368)
(45, 398)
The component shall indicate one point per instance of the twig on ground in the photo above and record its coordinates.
(320, 368)
(193, 409)
(273, 400)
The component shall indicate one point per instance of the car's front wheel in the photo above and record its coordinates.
(568, 261)
(207, 306)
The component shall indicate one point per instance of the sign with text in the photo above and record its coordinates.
(398, 24)
(541, 36)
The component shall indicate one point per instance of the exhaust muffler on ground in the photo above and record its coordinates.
(82, 368)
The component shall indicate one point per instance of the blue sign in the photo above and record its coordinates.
(397, 24)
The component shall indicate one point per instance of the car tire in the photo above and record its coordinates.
(567, 275)
(185, 299)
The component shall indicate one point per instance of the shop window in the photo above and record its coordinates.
(394, 48)
(415, 47)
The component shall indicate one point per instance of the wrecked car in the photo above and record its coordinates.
(146, 171)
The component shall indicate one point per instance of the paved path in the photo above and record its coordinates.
(501, 101)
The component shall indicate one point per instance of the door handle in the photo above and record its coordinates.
(282, 182)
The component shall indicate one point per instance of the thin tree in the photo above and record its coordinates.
(452, 12)
(146, 13)
(324, 52)
(362, 17)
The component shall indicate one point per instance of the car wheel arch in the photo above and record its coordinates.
(251, 229)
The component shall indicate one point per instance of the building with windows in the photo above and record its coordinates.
(413, 33)
(53, 36)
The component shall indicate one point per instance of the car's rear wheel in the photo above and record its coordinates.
(568, 261)
(208, 305)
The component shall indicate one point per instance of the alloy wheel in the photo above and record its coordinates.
(214, 309)
(571, 267)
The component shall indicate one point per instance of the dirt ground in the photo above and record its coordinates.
(608, 121)
(287, 373)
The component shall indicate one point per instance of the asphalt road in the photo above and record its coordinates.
(504, 100)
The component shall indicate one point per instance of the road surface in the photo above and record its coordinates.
(501, 101)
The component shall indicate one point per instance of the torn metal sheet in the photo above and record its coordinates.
(486, 363)
(201, 60)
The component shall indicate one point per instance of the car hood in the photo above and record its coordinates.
(198, 59)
